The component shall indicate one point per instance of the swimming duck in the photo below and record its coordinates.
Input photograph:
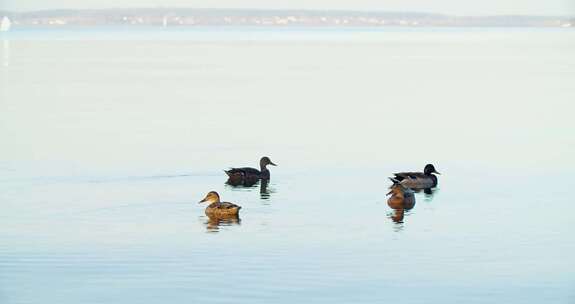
(401, 199)
(217, 209)
(418, 180)
(401, 196)
(247, 173)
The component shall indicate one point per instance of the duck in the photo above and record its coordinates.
(218, 209)
(247, 173)
(402, 199)
(418, 180)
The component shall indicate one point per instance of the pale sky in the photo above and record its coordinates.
(460, 7)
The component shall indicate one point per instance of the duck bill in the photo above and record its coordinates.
(202, 201)
(436, 172)
(272, 164)
(389, 193)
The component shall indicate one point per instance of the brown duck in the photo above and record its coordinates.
(401, 199)
(418, 180)
(401, 196)
(217, 209)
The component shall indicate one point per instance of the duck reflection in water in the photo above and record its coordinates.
(240, 183)
(427, 191)
(264, 192)
(213, 224)
(402, 199)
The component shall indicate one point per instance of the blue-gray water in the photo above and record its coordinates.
(107, 145)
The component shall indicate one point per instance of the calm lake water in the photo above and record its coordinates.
(110, 138)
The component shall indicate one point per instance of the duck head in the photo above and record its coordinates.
(211, 197)
(429, 168)
(264, 161)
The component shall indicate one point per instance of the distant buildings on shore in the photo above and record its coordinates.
(277, 18)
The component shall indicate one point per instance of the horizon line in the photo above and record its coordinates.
(280, 10)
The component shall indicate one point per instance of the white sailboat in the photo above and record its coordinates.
(5, 24)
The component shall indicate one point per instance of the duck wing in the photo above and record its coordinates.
(408, 175)
(243, 171)
(227, 205)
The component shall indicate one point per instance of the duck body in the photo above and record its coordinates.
(402, 199)
(413, 181)
(222, 210)
(241, 180)
(241, 175)
(218, 209)
(246, 175)
(418, 180)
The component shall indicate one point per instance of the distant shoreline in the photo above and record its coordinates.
(184, 17)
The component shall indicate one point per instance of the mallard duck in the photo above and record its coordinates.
(418, 180)
(217, 209)
(246, 173)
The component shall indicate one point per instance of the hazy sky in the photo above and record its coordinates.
(468, 7)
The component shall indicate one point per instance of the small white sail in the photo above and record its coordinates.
(165, 21)
(5, 24)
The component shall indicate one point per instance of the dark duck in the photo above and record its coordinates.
(246, 174)
(418, 180)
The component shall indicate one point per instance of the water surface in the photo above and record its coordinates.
(107, 144)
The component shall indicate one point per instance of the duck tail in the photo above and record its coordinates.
(228, 172)
(394, 181)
